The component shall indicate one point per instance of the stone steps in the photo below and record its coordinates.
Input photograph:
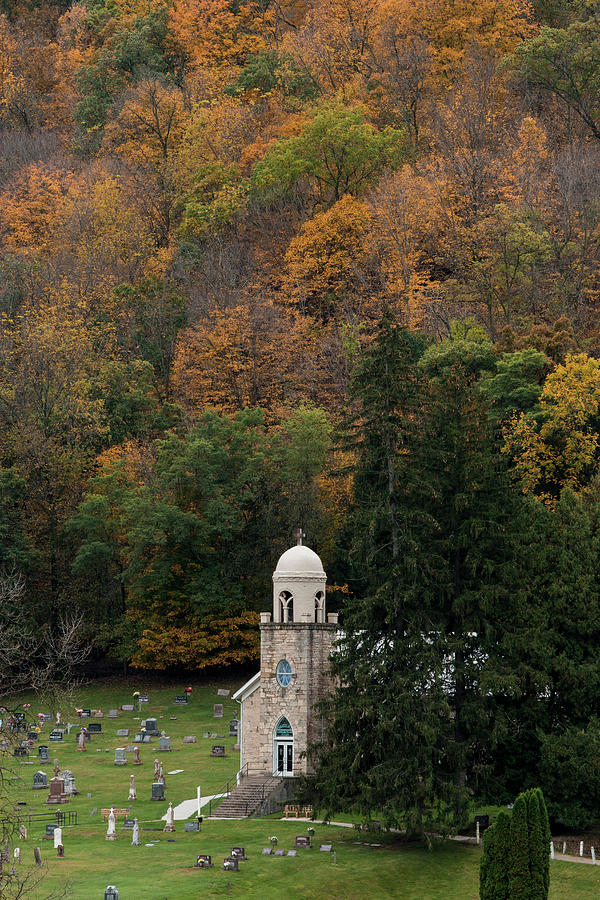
(244, 798)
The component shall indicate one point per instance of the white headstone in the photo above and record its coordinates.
(551, 849)
(135, 838)
(111, 832)
(581, 848)
(593, 857)
(57, 837)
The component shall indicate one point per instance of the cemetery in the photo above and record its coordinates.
(104, 839)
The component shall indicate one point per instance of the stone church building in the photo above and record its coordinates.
(278, 720)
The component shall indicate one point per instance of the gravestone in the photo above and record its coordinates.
(279, 853)
(50, 829)
(60, 852)
(128, 824)
(158, 791)
(20, 752)
(32, 735)
(267, 851)
(218, 710)
(44, 753)
(206, 734)
(483, 822)
(218, 750)
(111, 893)
(233, 728)
(190, 739)
(191, 826)
(292, 853)
(203, 861)
(127, 707)
(98, 714)
(238, 852)
(55, 735)
(113, 714)
(95, 728)
(46, 717)
(23, 832)
(302, 841)
(40, 780)
(86, 713)
(181, 700)
(69, 780)
(142, 738)
(37, 856)
(164, 743)
(325, 848)
(120, 759)
(214, 735)
(122, 732)
(151, 727)
(57, 791)
(231, 864)
(223, 692)
(57, 837)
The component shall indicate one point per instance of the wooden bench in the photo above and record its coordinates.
(297, 811)
(117, 812)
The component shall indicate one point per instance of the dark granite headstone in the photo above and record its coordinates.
(158, 791)
(20, 752)
(231, 864)
(181, 700)
(32, 735)
(128, 824)
(238, 852)
(218, 750)
(86, 713)
(43, 753)
(55, 736)
(233, 728)
(50, 829)
(204, 861)
(95, 728)
(152, 727)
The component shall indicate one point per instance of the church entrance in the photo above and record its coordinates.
(283, 749)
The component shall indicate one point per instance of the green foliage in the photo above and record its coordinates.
(268, 71)
(516, 384)
(569, 772)
(338, 152)
(15, 549)
(493, 873)
(518, 871)
(566, 63)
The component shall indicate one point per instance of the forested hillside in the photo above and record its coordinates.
(210, 213)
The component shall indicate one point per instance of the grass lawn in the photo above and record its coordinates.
(164, 870)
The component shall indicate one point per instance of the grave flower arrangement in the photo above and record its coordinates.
(136, 694)
(311, 831)
(273, 841)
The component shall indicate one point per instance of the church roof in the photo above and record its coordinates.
(299, 560)
(247, 689)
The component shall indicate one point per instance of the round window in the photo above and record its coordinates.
(284, 673)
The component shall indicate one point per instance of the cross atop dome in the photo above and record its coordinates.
(299, 535)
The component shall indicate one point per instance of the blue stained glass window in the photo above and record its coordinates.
(284, 673)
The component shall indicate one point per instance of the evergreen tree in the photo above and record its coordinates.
(519, 873)
(546, 837)
(537, 851)
(493, 876)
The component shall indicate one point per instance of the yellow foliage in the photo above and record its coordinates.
(559, 446)
(331, 259)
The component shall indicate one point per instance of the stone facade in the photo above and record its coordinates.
(304, 640)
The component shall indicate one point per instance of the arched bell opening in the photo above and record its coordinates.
(319, 606)
(286, 601)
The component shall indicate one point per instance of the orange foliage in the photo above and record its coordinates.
(210, 642)
(31, 207)
(210, 33)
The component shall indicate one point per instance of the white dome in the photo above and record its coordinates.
(299, 560)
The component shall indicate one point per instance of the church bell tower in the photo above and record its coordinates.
(279, 719)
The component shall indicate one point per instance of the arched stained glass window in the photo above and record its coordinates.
(284, 673)
(284, 729)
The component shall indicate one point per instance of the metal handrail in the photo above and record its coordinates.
(268, 780)
(229, 785)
